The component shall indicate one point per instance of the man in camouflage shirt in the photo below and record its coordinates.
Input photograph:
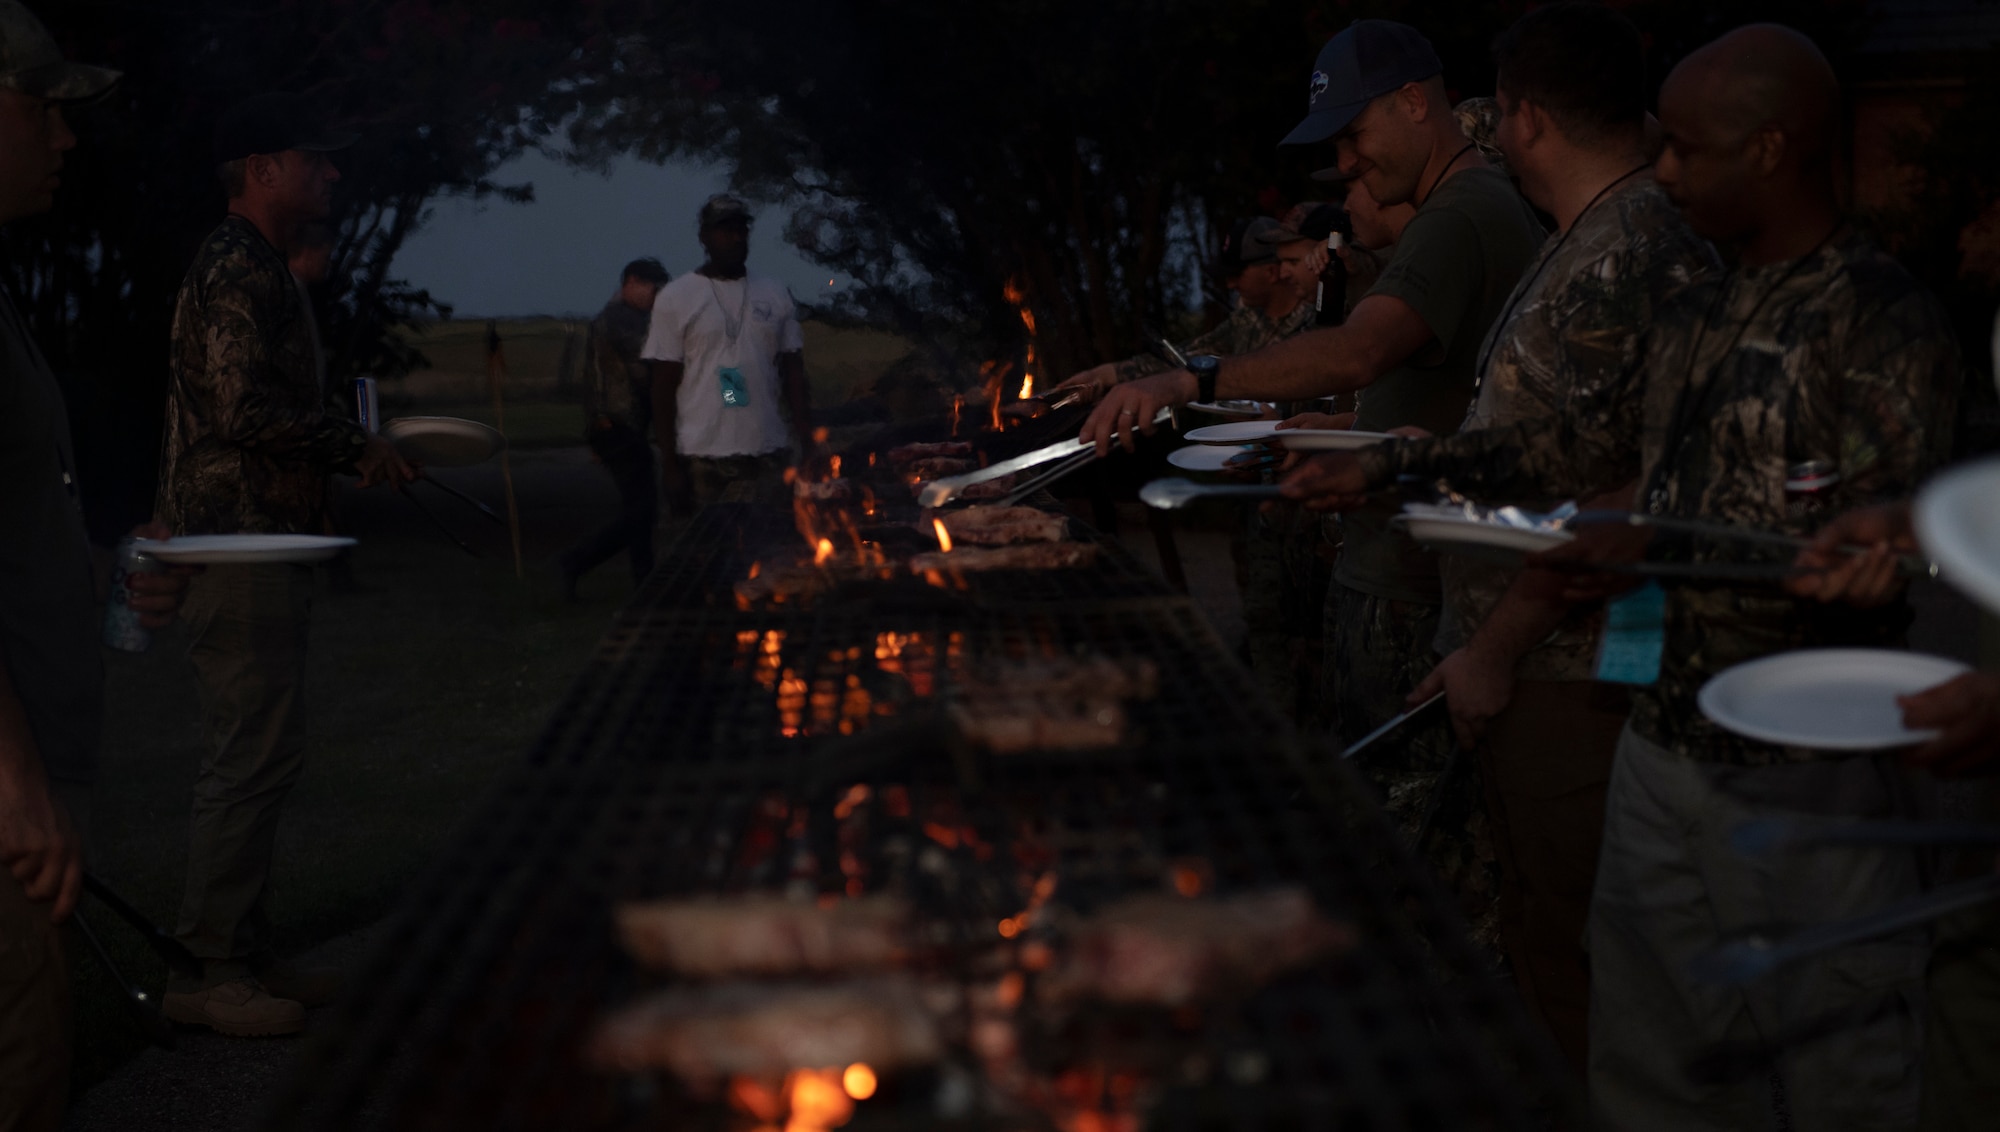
(251, 438)
(1815, 346)
(1268, 309)
(618, 409)
(1518, 667)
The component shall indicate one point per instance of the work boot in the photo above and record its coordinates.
(240, 1008)
(307, 986)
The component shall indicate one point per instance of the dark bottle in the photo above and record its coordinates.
(1331, 301)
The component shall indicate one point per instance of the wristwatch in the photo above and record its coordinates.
(1205, 368)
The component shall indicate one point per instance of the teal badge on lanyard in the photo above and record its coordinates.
(735, 393)
(1635, 636)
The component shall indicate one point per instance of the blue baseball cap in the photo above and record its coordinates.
(1363, 63)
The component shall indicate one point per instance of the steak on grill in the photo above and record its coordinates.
(1029, 556)
(910, 453)
(938, 467)
(706, 1033)
(761, 934)
(1170, 951)
(1001, 526)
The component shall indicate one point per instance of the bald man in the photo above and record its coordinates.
(1814, 346)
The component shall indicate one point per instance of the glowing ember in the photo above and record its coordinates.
(823, 552)
(1014, 295)
(818, 1101)
(944, 536)
(858, 1081)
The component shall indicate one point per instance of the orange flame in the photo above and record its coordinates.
(822, 552)
(858, 1081)
(944, 536)
(1014, 295)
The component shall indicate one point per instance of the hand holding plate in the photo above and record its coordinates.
(1966, 712)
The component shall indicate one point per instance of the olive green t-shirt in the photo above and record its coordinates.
(1455, 265)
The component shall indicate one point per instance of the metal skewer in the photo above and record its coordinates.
(1747, 960)
(1394, 722)
(460, 543)
(138, 1003)
(172, 950)
(450, 490)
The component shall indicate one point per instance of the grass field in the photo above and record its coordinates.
(542, 357)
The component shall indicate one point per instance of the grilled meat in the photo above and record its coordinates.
(707, 1033)
(1168, 951)
(1051, 703)
(763, 935)
(938, 467)
(1029, 556)
(1011, 725)
(828, 491)
(910, 453)
(985, 489)
(1100, 677)
(1001, 526)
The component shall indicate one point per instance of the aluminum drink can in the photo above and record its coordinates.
(122, 630)
(1807, 485)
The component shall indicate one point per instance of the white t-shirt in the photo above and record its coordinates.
(692, 320)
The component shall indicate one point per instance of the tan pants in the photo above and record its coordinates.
(1544, 765)
(249, 626)
(1670, 886)
(34, 1014)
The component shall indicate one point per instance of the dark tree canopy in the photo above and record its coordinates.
(442, 93)
(1086, 155)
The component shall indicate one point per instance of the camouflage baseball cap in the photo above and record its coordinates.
(274, 122)
(31, 63)
(721, 209)
(1248, 244)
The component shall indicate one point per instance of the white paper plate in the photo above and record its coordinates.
(1456, 534)
(1206, 457)
(1958, 524)
(219, 550)
(1830, 699)
(1232, 408)
(1235, 432)
(1328, 439)
(443, 442)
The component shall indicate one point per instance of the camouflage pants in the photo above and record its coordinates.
(1378, 651)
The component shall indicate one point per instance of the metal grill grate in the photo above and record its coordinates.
(669, 770)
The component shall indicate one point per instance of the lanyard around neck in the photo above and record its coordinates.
(1521, 292)
(731, 327)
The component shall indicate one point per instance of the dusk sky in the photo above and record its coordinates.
(561, 254)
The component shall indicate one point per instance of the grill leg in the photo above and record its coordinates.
(1170, 552)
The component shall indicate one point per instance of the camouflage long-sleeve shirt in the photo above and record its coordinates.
(1576, 327)
(1840, 356)
(1246, 329)
(251, 436)
(616, 381)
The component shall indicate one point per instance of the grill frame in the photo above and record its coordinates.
(487, 977)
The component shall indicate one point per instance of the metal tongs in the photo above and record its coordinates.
(939, 492)
(1032, 407)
